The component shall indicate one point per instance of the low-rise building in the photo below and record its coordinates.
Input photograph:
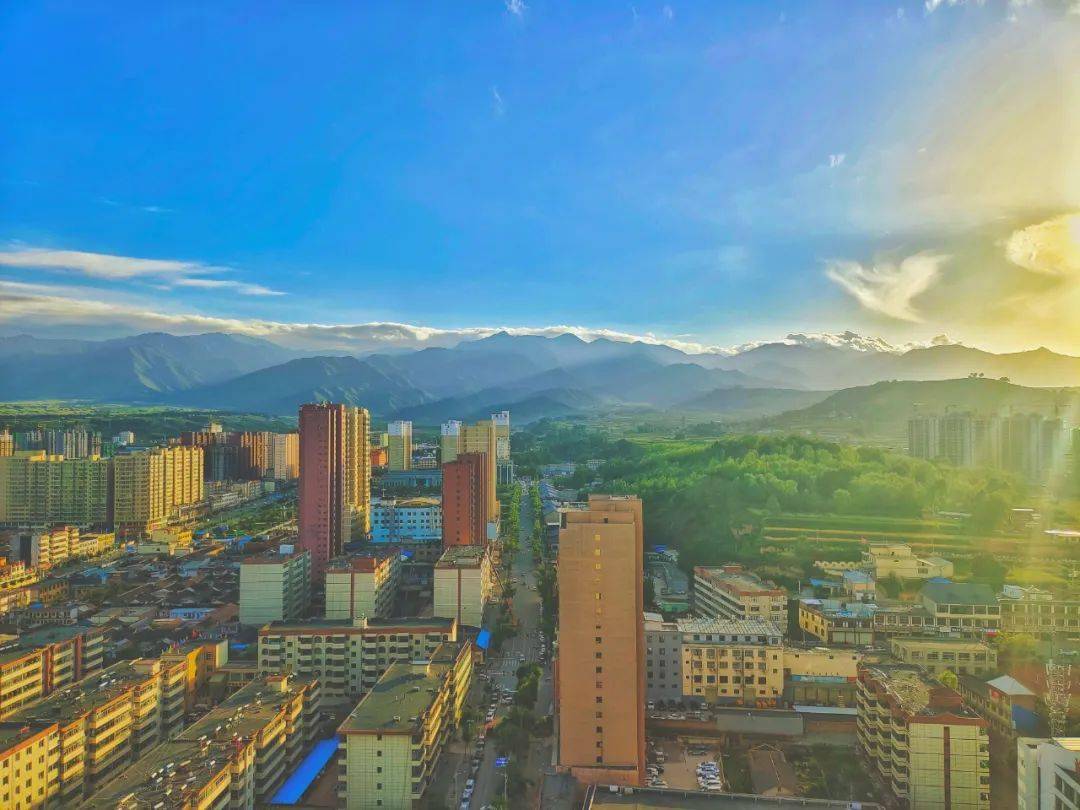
(350, 656)
(836, 622)
(936, 654)
(392, 741)
(1008, 705)
(236, 756)
(1048, 773)
(732, 592)
(961, 607)
(897, 559)
(275, 586)
(463, 584)
(732, 661)
(820, 676)
(362, 586)
(408, 520)
(921, 743)
(1037, 612)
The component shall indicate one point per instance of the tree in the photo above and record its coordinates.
(650, 592)
(948, 677)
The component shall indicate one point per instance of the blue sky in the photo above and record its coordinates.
(707, 172)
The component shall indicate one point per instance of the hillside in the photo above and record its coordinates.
(880, 411)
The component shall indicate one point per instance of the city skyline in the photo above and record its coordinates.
(653, 170)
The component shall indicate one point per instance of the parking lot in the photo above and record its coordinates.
(680, 766)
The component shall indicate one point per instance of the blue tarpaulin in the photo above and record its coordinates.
(483, 639)
(306, 772)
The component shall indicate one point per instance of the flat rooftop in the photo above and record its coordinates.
(738, 579)
(170, 773)
(67, 704)
(439, 624)
(400, 697)
(728, 627)
(462, 557)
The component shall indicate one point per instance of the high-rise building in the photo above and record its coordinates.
(458, 438)
(601, 673)
(152, 488)
(7, 443)
(275, 586)
(335, 480)
(399, 445)
(919, 739)
(501, 420)
(36, 488)
(284, 456)
(464, 500)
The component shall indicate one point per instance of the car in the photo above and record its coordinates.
(464, 804)
(470, 784)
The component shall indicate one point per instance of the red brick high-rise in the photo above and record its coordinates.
(335, 481)
(465, 513)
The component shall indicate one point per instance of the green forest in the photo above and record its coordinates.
(706, 497)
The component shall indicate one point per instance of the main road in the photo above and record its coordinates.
(523, 647)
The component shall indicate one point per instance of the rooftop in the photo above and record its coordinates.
(437, 624)
(272, 557)
(82, 697)
(736, 578)
(914, 691)
(739, 627)
(400, 698)
(462, 557)
(959, 593)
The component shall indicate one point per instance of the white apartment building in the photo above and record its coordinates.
(412, 520)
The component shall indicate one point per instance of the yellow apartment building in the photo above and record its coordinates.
(350, 656)
(399, 445)
(920, 741)
(732, 661)
(40, 662)
(392, 740)
(36, 488)
(152, 487)
(936, 654)
(235, 757)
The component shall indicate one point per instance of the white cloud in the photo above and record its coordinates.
(102, 265)
(888, 288)
(226, 284)
(516, 7)
(1051, 247)
(172, 272)
(668, 12)
(837, 160)
(497, 101)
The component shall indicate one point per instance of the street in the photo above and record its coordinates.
(503, 666)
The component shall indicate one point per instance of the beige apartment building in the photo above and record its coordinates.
(399, 446)
(40, 489)
(151, 488)
(731, 592)
(86, 732)
(284, 455)
(275, 586)
(45, 548)
(235, 757)
(600, 686)
(16, 575)
(391, 742)
(463, 584)
(821, 676)
(836, 622)
(936, 654)
(350, 656)
(897, 559)
(43, 661)
(362, 586)
(1027, 609)
(919, 740)
(732, 661)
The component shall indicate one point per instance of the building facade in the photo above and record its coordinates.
(732, 592)
(399, 446)
(335, 481)
(463, 584)
(601, 672)
(362, 586)
(936, 654)
(409, 520)
(39, 489)
(732, 661)
(275, 586)
(464, 501)
(151, 488)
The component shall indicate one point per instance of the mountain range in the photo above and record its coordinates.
(532, 376)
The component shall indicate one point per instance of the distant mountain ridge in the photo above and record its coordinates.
(525, 373)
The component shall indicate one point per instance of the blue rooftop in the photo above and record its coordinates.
(306, 772)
